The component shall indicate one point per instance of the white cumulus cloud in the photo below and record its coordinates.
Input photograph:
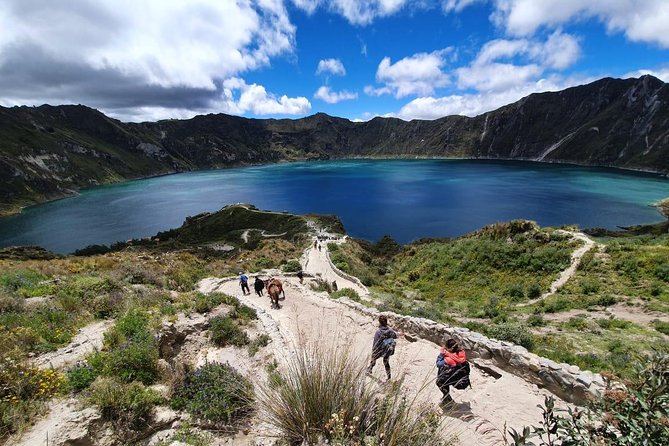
(331, 66)
(639, 20)
(502, 63)
(419, 74)
(457, 5)
(238, 97)
(324, 93)
(475, 104)
(148, 54)
(357, 12)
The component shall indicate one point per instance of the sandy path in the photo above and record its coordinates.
(88, 339)
(307, 317)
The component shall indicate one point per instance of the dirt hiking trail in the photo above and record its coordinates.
(307, 316)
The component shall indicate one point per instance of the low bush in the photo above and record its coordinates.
(81, 376)
(636, 414)
(613, 323)
(534, 291)
(259, 342)
(319, 284)
(348, 292)
(204, 303)
(243, 313)
(536, 320)
(292, 266)
(130, 350)
(127, 405)
(214, 392)
(661, 326)
(590, 286)
(223, 330)
(23, 389)
(512, 332)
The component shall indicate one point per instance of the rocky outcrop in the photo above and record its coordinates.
(50, 152)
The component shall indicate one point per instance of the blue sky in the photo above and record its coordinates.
(146, 60)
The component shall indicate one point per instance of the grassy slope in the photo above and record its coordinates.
(478, 281)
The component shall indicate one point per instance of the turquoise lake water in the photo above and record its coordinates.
(405, 199)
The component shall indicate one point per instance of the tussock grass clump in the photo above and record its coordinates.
(324, 395)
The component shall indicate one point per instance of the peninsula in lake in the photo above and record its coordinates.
(49, 152)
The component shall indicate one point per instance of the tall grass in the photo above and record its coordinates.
(324, 394)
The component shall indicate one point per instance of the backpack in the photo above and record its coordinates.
(389, 346)
(460, 376)
(456, 376)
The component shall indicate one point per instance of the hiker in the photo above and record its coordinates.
(334, 285)
(383, 346)
(452, 370)
(244, 282)
(300, 275)
(319, 247)
(259, 286)
(315, 243)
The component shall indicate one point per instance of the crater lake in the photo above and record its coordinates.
(406, 199)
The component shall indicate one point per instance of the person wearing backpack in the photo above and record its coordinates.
(383, 345)
(452, 370)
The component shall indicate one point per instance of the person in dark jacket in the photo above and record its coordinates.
(259, 286)
(383, 346)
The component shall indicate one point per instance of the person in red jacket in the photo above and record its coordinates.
(448, 360)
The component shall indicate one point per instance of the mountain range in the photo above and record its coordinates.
(49, 152)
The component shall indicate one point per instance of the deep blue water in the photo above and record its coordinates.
(405, 199)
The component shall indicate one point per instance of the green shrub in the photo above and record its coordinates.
(264, 263)
(223, 330)
(131, 350)
(636, 414)
(134, 361)
(590, 286)
(661, 326)
(515, 292)
(215, 392)
(512, 332)
(243, 313)
(534, 291)
(536, 320)
(348, 292)
(128, 405)
(555, 304)
(613, 323)
(662, 271)
(259, 342)
(204, 303)
(576, 323)
(81, 376)
(292, 266)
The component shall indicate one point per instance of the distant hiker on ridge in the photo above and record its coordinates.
(383, 346)
(244, 283)
(259, 286)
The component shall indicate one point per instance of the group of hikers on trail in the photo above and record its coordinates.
(452, 366)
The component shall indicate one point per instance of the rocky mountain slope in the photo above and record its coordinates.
(51, 151)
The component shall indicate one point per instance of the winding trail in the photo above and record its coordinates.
(568, 273)
(308, 317)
